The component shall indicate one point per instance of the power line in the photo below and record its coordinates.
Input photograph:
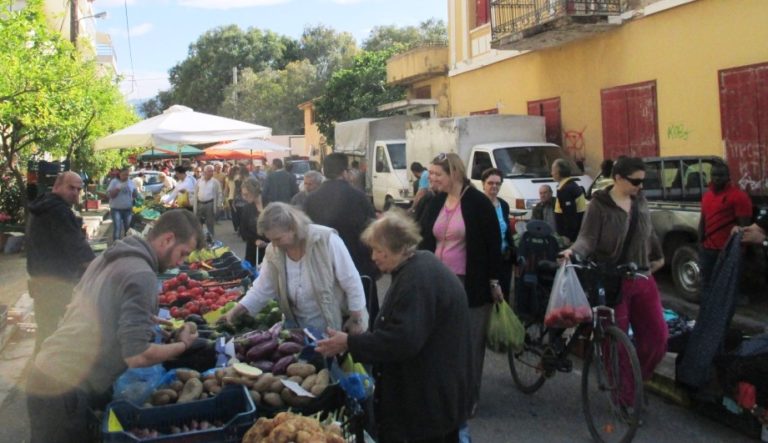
(130, 48)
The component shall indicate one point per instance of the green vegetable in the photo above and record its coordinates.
(505, 331)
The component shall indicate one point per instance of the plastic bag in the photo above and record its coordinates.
(136, 384)
(568, 305)
(505, 331)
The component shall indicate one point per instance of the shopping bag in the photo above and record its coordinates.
(182, 200)
(568, 305)
(505, 331)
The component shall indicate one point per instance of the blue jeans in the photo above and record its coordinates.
(121, 220)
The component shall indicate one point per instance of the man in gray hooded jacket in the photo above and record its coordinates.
(107, 329)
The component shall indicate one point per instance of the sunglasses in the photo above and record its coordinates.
(441, 157)
(634, 181)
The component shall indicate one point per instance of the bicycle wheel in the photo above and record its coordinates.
(612, 403)
(526, 366)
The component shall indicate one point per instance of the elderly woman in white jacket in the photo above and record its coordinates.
(309, 271)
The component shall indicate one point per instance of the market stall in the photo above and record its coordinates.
(238, 381)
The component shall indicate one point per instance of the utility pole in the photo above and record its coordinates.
(74, 23)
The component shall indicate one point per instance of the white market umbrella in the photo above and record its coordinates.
(180, 125)
(251, 144)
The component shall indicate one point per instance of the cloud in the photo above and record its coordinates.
(145, 84)
(141, 29)
(228, 4)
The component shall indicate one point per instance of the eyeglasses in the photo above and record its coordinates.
(634, 181)
(441, 157)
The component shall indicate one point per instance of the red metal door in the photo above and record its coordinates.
(482, 9)
(550, 110)
(630, 125)
(744, 120)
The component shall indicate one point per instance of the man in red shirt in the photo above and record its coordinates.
(723, 206)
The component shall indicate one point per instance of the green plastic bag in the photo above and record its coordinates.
(505, 331)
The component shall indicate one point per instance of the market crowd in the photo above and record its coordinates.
(320, 252)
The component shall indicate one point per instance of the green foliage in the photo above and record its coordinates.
(357, 92)
(11, 200)
(431, 31)
(199, 81)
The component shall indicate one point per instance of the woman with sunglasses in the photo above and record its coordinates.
(492, 179)
(607, 226)
(460, 226)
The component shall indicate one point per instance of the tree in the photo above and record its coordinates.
(199, 81)
(327, 49)
(357, 92)
(271, 97)
(51, 101)
(428, 32)
(156, 105)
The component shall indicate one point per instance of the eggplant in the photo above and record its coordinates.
(282, 364)
(289, 348)
(264, 365)
(262, 350)
(198, 320)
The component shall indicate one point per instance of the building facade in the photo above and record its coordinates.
(613, 77)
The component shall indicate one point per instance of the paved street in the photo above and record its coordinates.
(505, 415)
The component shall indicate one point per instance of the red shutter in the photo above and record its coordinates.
(534, 108)
(551, 112)
(482, 10)
(744, 120)
(630, 124)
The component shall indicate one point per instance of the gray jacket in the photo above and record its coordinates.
(109, 319)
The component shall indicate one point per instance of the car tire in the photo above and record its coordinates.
(388, 202)
(686, 273)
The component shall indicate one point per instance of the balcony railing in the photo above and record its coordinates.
(514, 20)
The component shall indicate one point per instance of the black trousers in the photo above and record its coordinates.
(59, 413)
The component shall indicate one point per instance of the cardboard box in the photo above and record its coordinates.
(91, 205)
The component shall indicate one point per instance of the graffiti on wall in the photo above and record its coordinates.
(575, 146)
(678, 131)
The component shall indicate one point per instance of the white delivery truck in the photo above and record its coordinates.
(381, 141)
(515, 144)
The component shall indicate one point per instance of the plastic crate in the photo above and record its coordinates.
(233, 406)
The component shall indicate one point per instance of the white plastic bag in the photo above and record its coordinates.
(568, 305)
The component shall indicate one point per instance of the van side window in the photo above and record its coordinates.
(381, 159)
(480, 163)
(697, 177)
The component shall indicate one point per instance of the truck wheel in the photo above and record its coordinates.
(686, 273)
(388, 202)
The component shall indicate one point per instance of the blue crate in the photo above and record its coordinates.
(233, 406)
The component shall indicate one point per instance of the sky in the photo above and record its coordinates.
(162, 30)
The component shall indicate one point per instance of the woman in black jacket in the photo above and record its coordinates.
(249, 215)
(461, 228)
(492, 179)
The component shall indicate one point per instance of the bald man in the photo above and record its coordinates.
(57, 252)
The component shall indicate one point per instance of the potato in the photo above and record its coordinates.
(276, 386)
(172, 395)
(273, 399)
(255, 396)
(237, 381)
(220, 373)
(192, 390)
(186, 374)
(176, 385)
(301, 369)
(309, 382)
(210, 376)
(160, 400)
(296, 379)
(318, 389)
(263, 382)
(210, 384)
(323, 377)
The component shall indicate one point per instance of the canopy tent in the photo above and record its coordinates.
(180, 125)
(170, 151)
(251, 145)
(222, 154)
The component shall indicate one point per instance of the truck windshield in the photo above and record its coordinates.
(530, 161)
(300, 167)
(397, 155)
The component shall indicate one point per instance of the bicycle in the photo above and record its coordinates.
(613, 411)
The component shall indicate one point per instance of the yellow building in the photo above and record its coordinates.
(314, 141)
(611, 77)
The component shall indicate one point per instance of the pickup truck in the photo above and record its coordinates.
(673, 187)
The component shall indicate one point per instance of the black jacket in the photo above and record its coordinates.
(569, 221)
(483, 242)
(340, 206)
(280, 187)
(420, 348)
(56, 245)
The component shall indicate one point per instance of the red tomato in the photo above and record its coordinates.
(181, 288)
(182, 277)
(193, 283)
(183, 313)
(218, 290)
(174, 312)
(196, 292)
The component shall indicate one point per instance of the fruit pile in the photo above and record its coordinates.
(567, 316)
(187, 296)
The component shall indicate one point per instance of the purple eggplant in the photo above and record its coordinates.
(289, 348)
(264, 365)
(297, 336)
(262, 350)
(282, 364)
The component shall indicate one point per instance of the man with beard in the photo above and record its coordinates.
(107, 329)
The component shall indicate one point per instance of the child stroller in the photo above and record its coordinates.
(533, 280)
